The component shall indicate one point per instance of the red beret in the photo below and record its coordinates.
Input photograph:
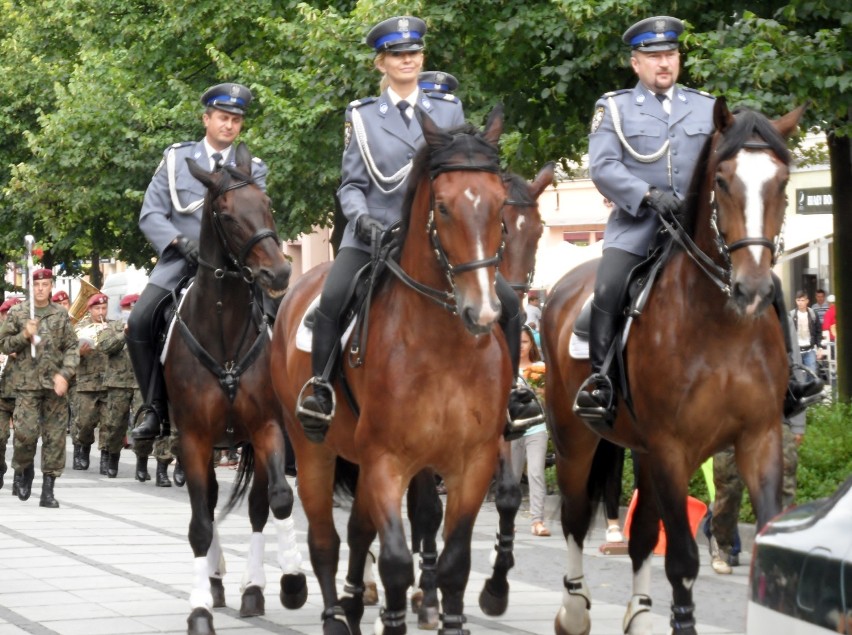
(4, 308)
(13, 301)
(129, 300)
(59, 296)
(98, 298)
(42, 274)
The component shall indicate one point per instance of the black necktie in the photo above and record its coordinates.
(217, 160)
(662, 99)
(403, 110)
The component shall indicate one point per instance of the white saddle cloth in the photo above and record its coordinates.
(305, 334)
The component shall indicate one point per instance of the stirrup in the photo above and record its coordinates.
(315, 423)
(589, 404)
(811, 391)
(516, 428)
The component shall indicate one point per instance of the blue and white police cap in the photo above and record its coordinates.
(659, 33)
(438, 81)
(233, 98)
(402, 33)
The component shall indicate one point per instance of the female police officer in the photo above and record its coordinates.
(382, 136)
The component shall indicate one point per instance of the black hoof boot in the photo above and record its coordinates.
(200, 622)
(112, 465)
(253, 603)
(47, 499)
(163, 474)
(26, 483)
(294, 590)
(524, 411)
(179, 475)
(802, 393)
(85, 450)
(142, 473)
(217, 590)
(316, 411)
(595, 402)
(104, 462)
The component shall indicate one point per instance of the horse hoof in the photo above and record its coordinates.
(491, 601)
(371, 594)
(294, 590)
(416, 601)
(428, 618)
(217, 590)
(560, 628)
(200, 622)
(253, 603)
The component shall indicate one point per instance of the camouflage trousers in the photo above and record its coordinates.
(7, 407)
(116, 419)
(40, 413)
(89, 412)
(730, 487)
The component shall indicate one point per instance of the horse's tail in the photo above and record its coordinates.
(345, 478)
(605, 476)
(245, 472)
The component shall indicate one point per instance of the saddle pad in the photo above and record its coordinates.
(305, 334)
(578, 348)
(172, 321)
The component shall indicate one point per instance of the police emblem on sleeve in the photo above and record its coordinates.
(347, 134)
(597, 118)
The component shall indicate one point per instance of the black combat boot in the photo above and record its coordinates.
(84, 456)
(316, 411)
(104, 462)
(47, 499)
(77, 450)
(2, 473)
(16, 483)
(163, 474)
(596, 399)
(179, 475)
(25, 483)
(142, 474)
(112, 465)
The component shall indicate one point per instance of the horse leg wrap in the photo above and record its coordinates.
(577, 587)
(392, 619)
(453, 625)
(682, 618)
(289, 557)
(334, 613)
(638, 604)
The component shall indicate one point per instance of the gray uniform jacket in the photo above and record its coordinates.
(624, 179)
(391, 146)
(161, 222)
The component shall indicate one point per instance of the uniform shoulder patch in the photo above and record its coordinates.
(257, 160)
(597, 118)
(181, 144)
(613, 93)
(698, 92)
(439, 96)
(361, 102)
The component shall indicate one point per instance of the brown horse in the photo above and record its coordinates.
(217, 371)
(431, 392)
(705, 362)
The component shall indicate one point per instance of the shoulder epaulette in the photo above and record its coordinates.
(699, 92)
(181, 144)
(613, 93)
(257, 160)
(361, 102)
(439, 96)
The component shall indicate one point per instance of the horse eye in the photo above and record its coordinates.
(722, 183)
(443, 210)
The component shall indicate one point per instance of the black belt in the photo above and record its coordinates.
(805, 349)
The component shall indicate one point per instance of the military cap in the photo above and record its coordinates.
(233, 98)
(402, 33)
(438, 81)
(42, 274)
(59, 296)
(659, 33)
(129, 300)
(98, 298)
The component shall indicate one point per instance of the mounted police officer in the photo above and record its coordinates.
(171, 220)
(643, 147)
(382, 136)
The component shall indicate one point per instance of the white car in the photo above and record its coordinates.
(801, 572)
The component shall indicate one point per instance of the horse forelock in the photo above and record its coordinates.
(749, 124)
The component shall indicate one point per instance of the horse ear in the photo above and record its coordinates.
(722, 117)
(542, 180)
(787, 124)
(494, 126)
(200, 173)
(434, 135)
(243, 158)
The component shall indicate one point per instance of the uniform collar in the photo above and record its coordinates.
(395, 97)
(210, 150)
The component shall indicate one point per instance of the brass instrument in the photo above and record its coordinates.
(78, 309)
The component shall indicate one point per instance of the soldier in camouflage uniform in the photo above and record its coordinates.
(7, 394)
(88, 401)
(42, 382)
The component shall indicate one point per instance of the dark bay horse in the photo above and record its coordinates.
(217, 373)
(431, 392)
(706, 367)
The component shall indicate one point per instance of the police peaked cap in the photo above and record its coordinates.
(233, 98)
(402, 33)
(438, 81)
(659, 33)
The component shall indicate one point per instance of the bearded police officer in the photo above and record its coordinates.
(171, 220)
(643, 147)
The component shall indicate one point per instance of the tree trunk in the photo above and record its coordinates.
(96, 277)
(840, 157)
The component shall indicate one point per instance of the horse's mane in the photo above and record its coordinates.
(747, 125)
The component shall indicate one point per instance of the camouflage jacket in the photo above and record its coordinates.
(57, 352)
(93, 365)
(8, 372)
(119, 372)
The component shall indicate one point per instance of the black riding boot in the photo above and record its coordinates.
(801, 393)
(142, 474)
(316, 411)
(179, 475)
(104, 462)
(77, 450)
(25, 483)
(47, 499)
(85, 450)
(112, 465)
(596, 399)
(151, 416)
(163, 474)
(524, 409)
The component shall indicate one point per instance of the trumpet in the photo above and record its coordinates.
(88, 333)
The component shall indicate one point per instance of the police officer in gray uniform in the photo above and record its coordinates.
(381, 137)
(171, 220)
(643, 147)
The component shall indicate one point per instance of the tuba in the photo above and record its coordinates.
(78, 308)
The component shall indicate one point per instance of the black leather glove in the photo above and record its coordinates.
(364, 228)
(187, 248)
(665, 204)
